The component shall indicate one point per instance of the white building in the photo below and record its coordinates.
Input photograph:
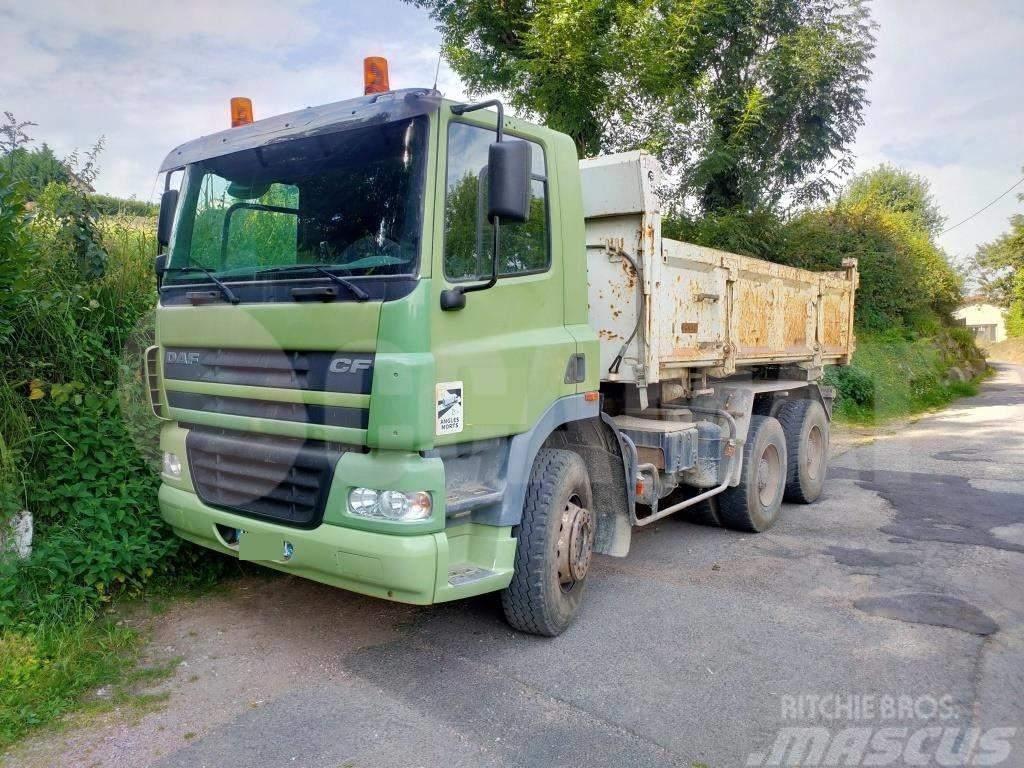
(988, 321)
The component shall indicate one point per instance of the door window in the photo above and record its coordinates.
(469, 238)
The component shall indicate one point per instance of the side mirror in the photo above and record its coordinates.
(508, 182)
(168, 204)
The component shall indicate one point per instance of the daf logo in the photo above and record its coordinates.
(348, 365)
(182, 358)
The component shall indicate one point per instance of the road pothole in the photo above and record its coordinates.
(936, 610)
(867, 558)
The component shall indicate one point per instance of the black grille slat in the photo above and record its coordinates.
(255, 360)
(350, 372)
(243, 495)
(268, 473)
(303, 413)
(235, 484)
(281, 479)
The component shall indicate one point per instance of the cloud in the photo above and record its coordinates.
(946, 104)
(148, 76)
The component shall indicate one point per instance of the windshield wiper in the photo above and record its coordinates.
(355, 290)
(227, 292)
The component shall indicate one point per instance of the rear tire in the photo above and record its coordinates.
(807, 435)
(754, 504)
(555, 543)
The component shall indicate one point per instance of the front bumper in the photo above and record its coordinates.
(409, 569)
(406, 562)
(402, 568)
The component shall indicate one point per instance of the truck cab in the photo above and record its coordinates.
(361, 383)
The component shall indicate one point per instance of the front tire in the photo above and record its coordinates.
(555, 544)
(754, 504)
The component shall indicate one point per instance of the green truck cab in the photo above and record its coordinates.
(361, 384)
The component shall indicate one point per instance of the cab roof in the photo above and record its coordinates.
(311, 121)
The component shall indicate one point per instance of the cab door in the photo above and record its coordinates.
(503, 358)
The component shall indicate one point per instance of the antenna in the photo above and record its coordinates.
(438, 70)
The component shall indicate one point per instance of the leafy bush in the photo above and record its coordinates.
(854, 385)
(899, 373)
(94, 500)
(886, 220)
(758, 233)
(108, 205)
(82, 286)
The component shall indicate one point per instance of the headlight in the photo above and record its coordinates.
(400, 506)
(172, 465)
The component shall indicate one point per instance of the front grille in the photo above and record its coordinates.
(350, 372)
(329, 415)
(274, 478)
(152, 365)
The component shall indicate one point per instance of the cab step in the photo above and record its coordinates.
(464, 498)
(461, 575)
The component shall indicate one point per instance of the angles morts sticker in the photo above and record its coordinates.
(448, 402)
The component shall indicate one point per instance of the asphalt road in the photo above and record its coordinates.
(903, 587)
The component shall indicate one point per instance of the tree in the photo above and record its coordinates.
(887, 220)
(899, 191)
(999, 268)
(37, 168)
(746, 101)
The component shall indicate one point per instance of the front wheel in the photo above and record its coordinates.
(554, 547)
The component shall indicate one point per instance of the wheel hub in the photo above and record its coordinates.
(575, 544)
(769, 470)
(815, 452)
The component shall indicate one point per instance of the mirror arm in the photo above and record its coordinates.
(461, 109)
(455, 298)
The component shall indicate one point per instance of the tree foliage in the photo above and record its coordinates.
(746, 101)
(885, 219)
(36, 168)
(999, 268)
(899, 191)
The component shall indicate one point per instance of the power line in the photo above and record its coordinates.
(982, 210)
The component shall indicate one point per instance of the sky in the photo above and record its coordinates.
(945, 95)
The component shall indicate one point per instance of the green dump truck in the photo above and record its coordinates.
(416, 349)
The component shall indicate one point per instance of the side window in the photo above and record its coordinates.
(468, 237)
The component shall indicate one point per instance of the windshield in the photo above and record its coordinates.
(349, 201)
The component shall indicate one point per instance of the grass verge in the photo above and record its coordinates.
(46, 672)
(896, 375)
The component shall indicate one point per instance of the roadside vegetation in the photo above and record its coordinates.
(999, 269)
(76, 290)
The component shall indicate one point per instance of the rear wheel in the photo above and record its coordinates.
(754, 504)
(807, 434)
(555, 544)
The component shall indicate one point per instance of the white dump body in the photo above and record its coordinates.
(702, 308)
